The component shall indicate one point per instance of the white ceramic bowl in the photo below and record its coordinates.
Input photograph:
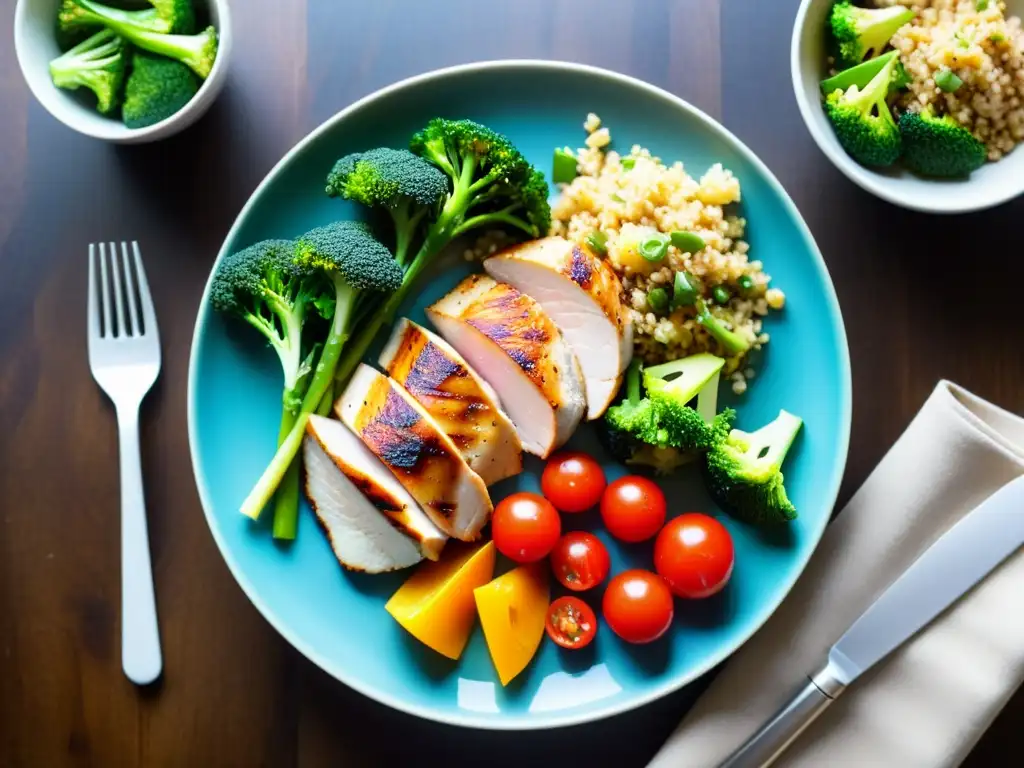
(990, 185)
(36, 45)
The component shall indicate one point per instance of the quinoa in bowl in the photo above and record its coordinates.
(621, 203)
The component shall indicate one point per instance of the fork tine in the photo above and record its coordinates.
(129, 290)
(122, 328)
(148, 313)
(105, 293)
(93, 309)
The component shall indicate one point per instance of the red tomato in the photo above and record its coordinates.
(573, 482)
(638, 606)
(580, 561)
(525, 527)
(571, 623)
(633, 508)
(694, 554)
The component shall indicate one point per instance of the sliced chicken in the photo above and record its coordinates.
(517, 348)
(462, 403)
(582, 295)
(373, 524)
(426, 462)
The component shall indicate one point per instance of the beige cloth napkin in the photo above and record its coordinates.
(928, 703)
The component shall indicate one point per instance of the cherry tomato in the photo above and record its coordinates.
(580, 561)
(525, 527)
(573, 482)
(571, 623)
(638, 606)
(694, 554)
(633, 508)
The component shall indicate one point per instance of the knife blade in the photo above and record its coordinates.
(949, 568)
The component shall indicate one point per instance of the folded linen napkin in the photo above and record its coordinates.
(928, 703)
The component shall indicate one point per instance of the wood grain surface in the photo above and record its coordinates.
(923, 297)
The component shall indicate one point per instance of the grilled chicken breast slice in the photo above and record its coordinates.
(515, 346)
(461, 403)
(582, 294)
(372, 523)
(419, 454)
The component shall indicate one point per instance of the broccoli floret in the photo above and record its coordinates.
(407, 186)
(862, 120)
(157, 88)
(671, 387)
(166, 16)
(198, 51)
(97, 64)
(490, 183)
(631, 423)
(861, 33)
(360, 269)
(744, 471)
(939, 146)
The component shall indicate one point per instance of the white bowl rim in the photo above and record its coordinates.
(862, 177)
(118, 131)
(667, 687)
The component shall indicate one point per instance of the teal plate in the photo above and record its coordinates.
(337, 619)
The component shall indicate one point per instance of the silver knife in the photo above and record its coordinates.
(958, 560)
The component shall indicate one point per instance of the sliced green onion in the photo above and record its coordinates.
(746, 283)
(628, 163)
(720, 294)
(616, 198)
(981, 5)
(685, 291)
(997, 37)
(657, 300)
(948, 81)
(654, 248)
(687, 242)
(598, 242)
(563, 167)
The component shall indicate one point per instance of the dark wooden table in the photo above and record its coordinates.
(923, 298)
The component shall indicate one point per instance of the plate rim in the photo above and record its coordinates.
(550, 720)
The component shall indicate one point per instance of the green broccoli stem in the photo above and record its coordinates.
(286, 499)
(732, 343)
(633, 381)
(322, 380)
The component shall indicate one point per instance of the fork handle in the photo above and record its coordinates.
(141, 658)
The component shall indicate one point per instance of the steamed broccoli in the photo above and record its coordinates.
(939, 146)
(198, 51)
(96, 63)
(263, 286)
(744, 471)
(662, 430)
(861, 33)
(491, 183)
(862, 120)
(360, 269)
(165, 17)
(157, 88)
(407, 186)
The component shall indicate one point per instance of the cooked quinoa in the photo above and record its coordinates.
(978, 43)
(628, 197)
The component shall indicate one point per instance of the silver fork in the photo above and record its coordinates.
(124, 355)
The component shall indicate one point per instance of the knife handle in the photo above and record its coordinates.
(765, 746)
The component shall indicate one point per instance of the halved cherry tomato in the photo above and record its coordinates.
(633, 508)
(573, 482)
(525, 527)
(638, 606)
(571, 623)
(580, 561)
(694, 554)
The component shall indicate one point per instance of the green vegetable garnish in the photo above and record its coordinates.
(598, 242)
(687, 242)
(996, 37)
(616, 198)
(981, 5)
(746, 283)
(657, 299)
(859, 75)
(563, 167)
(685, 290)
(720, 294)
(628, 163)
(948, 81)
(654, 248)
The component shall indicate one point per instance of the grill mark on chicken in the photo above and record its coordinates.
(509, 319)
(431, 370)
(580, 271)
